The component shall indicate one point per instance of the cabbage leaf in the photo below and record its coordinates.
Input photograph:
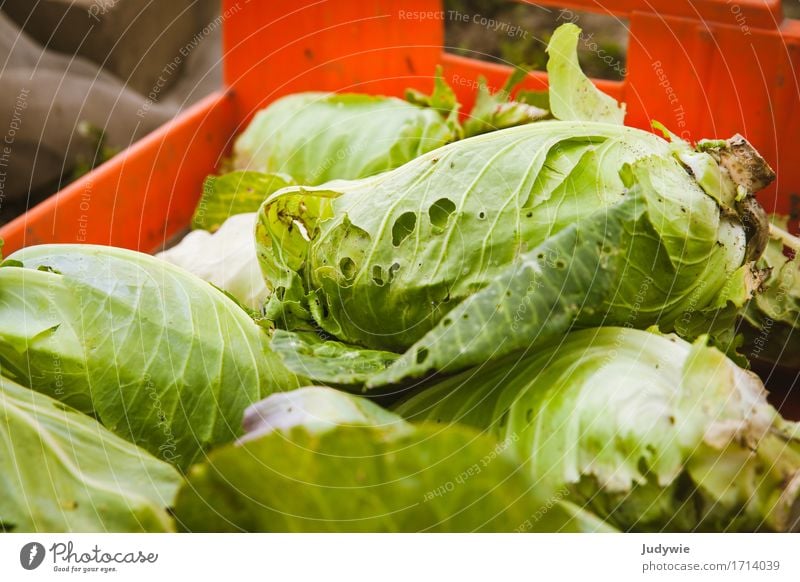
(162, 358)
(317, 137)
(771, 322)
(573, 96)
(61, 471)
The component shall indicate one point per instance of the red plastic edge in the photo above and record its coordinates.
(754, 13)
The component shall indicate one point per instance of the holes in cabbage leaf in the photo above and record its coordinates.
(422, 355)
(393, 270)
(62, 407)
(503, 419)
(440, 212)
(481, 215)
(348, 267)
(322, 301)
(403, 227)
(377, 275)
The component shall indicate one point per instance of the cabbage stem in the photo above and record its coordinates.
(789, 240)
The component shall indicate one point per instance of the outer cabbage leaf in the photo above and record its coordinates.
(162, 358)
(382, 476)
(226, 259)
(382, 264)
(635, 264)
(771, 322)
(386, 257)
(61, 471)
(647, 431)
(313, 355)
(316, 137)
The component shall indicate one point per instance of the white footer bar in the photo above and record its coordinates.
(386, 558)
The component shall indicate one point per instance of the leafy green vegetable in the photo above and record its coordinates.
(234, 193)
(505, 240)
(648, 431)
(383, 476)
(317, 137)
(162, 358)
(227, 259)
(771, 322)
(508, 275)
(62, 471)
(353, 252)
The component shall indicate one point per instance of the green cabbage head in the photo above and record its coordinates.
(649, 432)
(494, 243)
(315, 137)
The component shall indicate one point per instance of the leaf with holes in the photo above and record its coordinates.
(380, 261)
(625, 265)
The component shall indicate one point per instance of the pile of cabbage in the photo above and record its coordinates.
(392, 317)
